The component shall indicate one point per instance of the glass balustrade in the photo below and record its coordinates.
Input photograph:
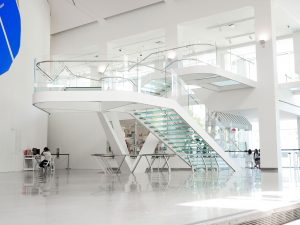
(286, 68)
(153, 74)
(240, 66)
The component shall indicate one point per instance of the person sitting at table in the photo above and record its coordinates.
(47, 157)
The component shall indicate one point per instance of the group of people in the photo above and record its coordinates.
(256, 158)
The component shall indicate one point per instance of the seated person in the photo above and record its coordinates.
(47, 157)
(249, 159)
(257, 158)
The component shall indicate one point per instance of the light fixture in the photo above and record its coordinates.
(231, 25)
(263, 38)
(262, 43)
(101, 68)
(171, 55)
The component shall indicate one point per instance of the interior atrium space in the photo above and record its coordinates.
(161, 112)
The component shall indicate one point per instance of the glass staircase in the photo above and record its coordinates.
(168, 126)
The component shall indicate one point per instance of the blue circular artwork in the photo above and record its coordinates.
(10, 33)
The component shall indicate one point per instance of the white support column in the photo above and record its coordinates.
(220, 60)
(298, 129)
(118, 130)
(172, 42)
(296, 40)
(267, 85)
(148, 148)
(115, 142)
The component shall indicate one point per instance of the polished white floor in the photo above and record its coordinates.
(297, 222)
(79, 197)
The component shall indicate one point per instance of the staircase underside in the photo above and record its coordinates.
(214, 78)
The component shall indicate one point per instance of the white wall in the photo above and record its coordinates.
(22, 125)
(80, 135)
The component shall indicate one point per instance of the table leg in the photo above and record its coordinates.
(167, 159)
(150, 164)
(159, 158)
(100, 164)
(138, 160)
(121, 164)
(68, 166)
(165, 164)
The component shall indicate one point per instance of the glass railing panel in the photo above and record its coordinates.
(241, 66)
(152, 74)
(286, 68)
(102, 75)
(290, 158)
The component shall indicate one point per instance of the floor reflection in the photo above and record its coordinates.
(210, 182)
(40, 183)
(164, 181)
(179, 197)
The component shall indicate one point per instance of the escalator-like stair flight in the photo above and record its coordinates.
(167, 125)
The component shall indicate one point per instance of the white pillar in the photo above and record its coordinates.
(296, 40)
(298, 129)
(116, 142)
(267, 85)
(220, 60)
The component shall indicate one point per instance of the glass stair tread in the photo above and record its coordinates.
(153, 110)
(178, 145)
(180, 137)
(185, 141)
(158, 116)
(177, 132)
(173, 125)
(165, 121)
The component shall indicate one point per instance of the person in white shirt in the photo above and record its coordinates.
(47, 157)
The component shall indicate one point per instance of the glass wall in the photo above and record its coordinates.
(286, 61)
(288, 134)
(242, 61)
(290, 156)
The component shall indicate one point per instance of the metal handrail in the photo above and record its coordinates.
(181, 60)
(103, 78)
(38, 65)
(244, 59)
(290, 150)
(167, 50)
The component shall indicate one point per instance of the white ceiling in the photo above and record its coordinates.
(68, 14)
(219, 28)
(65, 15)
